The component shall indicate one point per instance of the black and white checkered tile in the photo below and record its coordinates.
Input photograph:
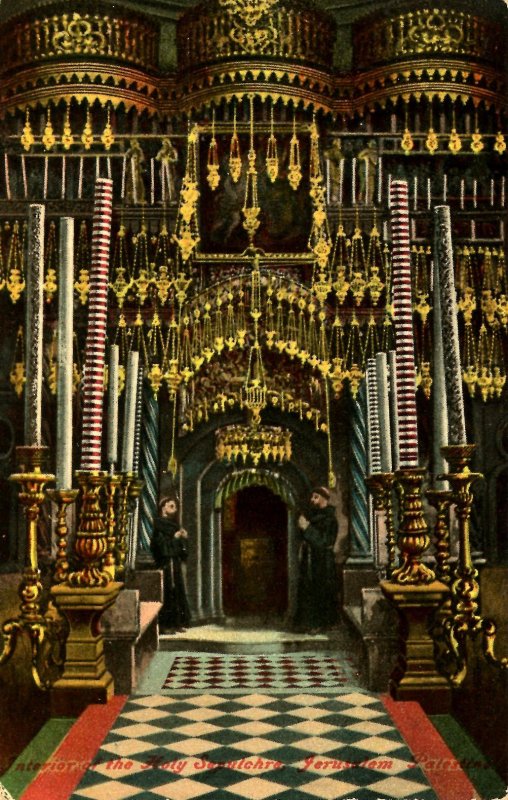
(255, 746)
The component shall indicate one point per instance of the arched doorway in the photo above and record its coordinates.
(254, 539)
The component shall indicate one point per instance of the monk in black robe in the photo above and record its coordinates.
(169, 548)
(317, 599)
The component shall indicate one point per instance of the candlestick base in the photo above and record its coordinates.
(46, 632)
(416, 675)
(413, 536)
(85, 678)
(459, 618)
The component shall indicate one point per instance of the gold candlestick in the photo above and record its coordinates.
(112, 485)
(63, 498)
(441, 500)
(123, 521)
(91, 543)
(461, 619)
(413, 536)
(46, 632)
(381, 485)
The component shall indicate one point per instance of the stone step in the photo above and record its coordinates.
(221, 639)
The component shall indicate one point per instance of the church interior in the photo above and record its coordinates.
(251, 250)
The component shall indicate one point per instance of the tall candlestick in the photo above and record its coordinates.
(112, 449)
(7, 177)
(23, 175)
(444, 274)
(63, 177)
(373, 418)
(439, 407)
(64, 356)
(403, 324)
(383, 402)
(394, 419)
(129, 423)
(93, 384)
(34, 325)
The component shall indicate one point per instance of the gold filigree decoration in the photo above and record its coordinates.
(500, 143)
(431, 142)
(67, 137)
(27, 137)
(78, 36)
(253, 29)
(48, 137)
(107, 136)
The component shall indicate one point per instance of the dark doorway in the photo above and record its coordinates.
(254, 554)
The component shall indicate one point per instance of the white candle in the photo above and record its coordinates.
(429, 192)
(383, 402)
(415, 193)
(64, 356)
(341, 180)
(129, 423)
(444, 276)
(152, 181)
(475, 193)
(462, 193)
(492, 191)
(380, 180)
(34, 325)
(112, 449)
(353, 181)
(445, 187)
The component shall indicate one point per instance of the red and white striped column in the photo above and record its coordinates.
(403, 324)
(93, 383)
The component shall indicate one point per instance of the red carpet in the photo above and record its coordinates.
(71, 760)
(442, 769)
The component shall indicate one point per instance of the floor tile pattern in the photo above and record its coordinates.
(271, 673)
(254, 746)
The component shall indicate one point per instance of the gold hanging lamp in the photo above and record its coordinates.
(272, 156)
(235, 156)
(212, 166)
(295, 169)
(251, 207)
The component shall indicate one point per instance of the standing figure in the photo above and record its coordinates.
(368, 159)
(317, 601)
(335, 158)
(135, 187)
(168, 157)
(169, 548)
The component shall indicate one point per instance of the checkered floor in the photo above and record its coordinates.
(274, 672)
(254, 746)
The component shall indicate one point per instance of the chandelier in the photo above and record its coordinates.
(246, 443)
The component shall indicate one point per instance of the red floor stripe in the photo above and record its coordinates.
(75, 753)
(430, 752)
